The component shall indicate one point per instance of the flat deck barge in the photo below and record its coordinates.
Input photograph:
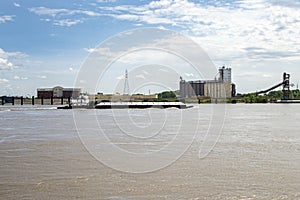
(288, 101)
(140, 105)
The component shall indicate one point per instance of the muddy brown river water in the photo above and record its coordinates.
(257, 155)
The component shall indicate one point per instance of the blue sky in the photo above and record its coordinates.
(44, 43)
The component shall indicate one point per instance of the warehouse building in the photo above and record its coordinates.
(58, 92)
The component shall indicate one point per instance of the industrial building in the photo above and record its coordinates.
(58, 92)
(220, 87)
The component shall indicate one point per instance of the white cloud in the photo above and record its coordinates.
(53, 35)
(59, 15)
(104, 52)
(90, 50)
(41, 76)
(20, 78)
(3, 80)
(4, 54)
(140, 76)
(232, 26)
(87, 12)
(53, 12)
(106, 1)
(5, 63)
(266, 76)
(17, 5)
(66, 22)
(120, 77)
(46, 20)
(162, 28)
(189, 74)
(163, 70)
(6, 18)
(48, 11)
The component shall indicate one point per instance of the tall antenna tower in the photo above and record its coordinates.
(126, 85)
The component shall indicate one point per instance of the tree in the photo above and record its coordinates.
(167, 95)
(275, 94)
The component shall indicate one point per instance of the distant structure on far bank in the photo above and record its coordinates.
(58, 92)
(221, 87)
(126, 84)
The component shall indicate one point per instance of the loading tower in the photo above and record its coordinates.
(286, 86)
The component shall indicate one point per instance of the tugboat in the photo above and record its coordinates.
(81, 102)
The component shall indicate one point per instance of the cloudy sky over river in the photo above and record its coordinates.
(44, 43)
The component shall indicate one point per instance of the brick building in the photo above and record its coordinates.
(58, 92)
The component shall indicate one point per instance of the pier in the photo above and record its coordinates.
(20, 100)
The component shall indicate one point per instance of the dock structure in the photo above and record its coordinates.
(20, 100)
(140, 105)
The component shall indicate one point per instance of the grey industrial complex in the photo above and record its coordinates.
(220, 87)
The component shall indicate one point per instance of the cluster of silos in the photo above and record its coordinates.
(221, 87)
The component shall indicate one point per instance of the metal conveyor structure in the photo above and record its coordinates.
(286, 87)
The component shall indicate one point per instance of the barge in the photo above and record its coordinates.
(287, 101)
(140, 105)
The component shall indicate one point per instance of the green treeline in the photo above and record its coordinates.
(171, 96)
(269, 97)
(167, 96)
